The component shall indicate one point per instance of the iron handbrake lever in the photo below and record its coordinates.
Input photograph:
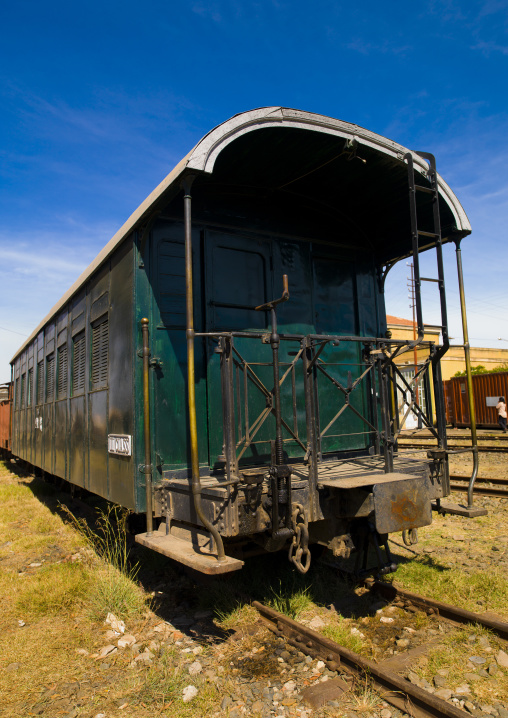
(274, 302)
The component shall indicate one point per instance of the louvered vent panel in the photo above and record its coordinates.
(62, 372)
(30, 386)
(50, 378)
(100, 335)
(40, 382)
(78, 370)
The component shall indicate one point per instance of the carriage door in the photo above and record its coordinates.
(336, 311)
(239, 278)
(170, 433)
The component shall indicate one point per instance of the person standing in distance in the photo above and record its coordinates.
(501, 413)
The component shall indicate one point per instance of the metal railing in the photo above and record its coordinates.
(319, 394)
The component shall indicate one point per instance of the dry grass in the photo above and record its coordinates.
(62, 599)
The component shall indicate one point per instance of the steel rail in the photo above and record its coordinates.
(452, 613)
(498, 449)
(398, 691)
(485, 479)
(481, 490)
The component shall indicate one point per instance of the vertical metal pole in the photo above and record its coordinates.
(146, 425)
(428, 396)
(385, 416)
(228, 405)
(467, 356)
(275, 341)
(440, 415)
(311, 427)
(191, 377)
(415, 350)
(373, 401)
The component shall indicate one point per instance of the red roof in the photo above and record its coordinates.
(398, 320)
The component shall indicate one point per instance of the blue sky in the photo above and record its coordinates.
(100, 100)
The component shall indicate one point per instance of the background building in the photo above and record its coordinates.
(453, 361)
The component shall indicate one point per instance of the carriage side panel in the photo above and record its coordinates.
(122, 354)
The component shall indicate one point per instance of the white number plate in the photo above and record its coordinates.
(120, 444)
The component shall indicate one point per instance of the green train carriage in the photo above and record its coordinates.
(223, 366)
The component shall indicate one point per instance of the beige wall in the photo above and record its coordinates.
(453, 361)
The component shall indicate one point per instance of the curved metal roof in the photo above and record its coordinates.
(203, 157)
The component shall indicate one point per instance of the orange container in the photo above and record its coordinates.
(487, 388)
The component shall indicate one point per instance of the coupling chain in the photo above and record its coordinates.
(299, 552)
(410, 537)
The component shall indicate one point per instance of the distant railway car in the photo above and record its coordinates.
(223, 366)
(487, 388)
(5, 418)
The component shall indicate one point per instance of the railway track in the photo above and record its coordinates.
(403, 445)
(498, 487)
(384, 676)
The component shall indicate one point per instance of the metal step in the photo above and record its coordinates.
(187, 553)
(457, 510)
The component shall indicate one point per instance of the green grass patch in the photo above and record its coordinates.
(451, 585)
(341, 633)
(290, 600)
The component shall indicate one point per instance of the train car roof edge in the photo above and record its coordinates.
(202, 159)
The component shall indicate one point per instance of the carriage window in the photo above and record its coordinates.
(40, 382)
(30, 386)
(79, 362)
(62, 373)
(50, 377)
(239, 285)
(23, 390)
(100, 336)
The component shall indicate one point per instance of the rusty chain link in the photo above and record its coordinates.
(299, 552)
(410, 537)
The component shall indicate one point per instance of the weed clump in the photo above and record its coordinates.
(340, 632)
(290, 600)
(114, 588)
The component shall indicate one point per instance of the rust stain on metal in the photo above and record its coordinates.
(332, 690)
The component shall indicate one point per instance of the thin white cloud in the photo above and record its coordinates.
(28, 262)
(487, 48)
(208, 10)
(360, 45)
(36, 269)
